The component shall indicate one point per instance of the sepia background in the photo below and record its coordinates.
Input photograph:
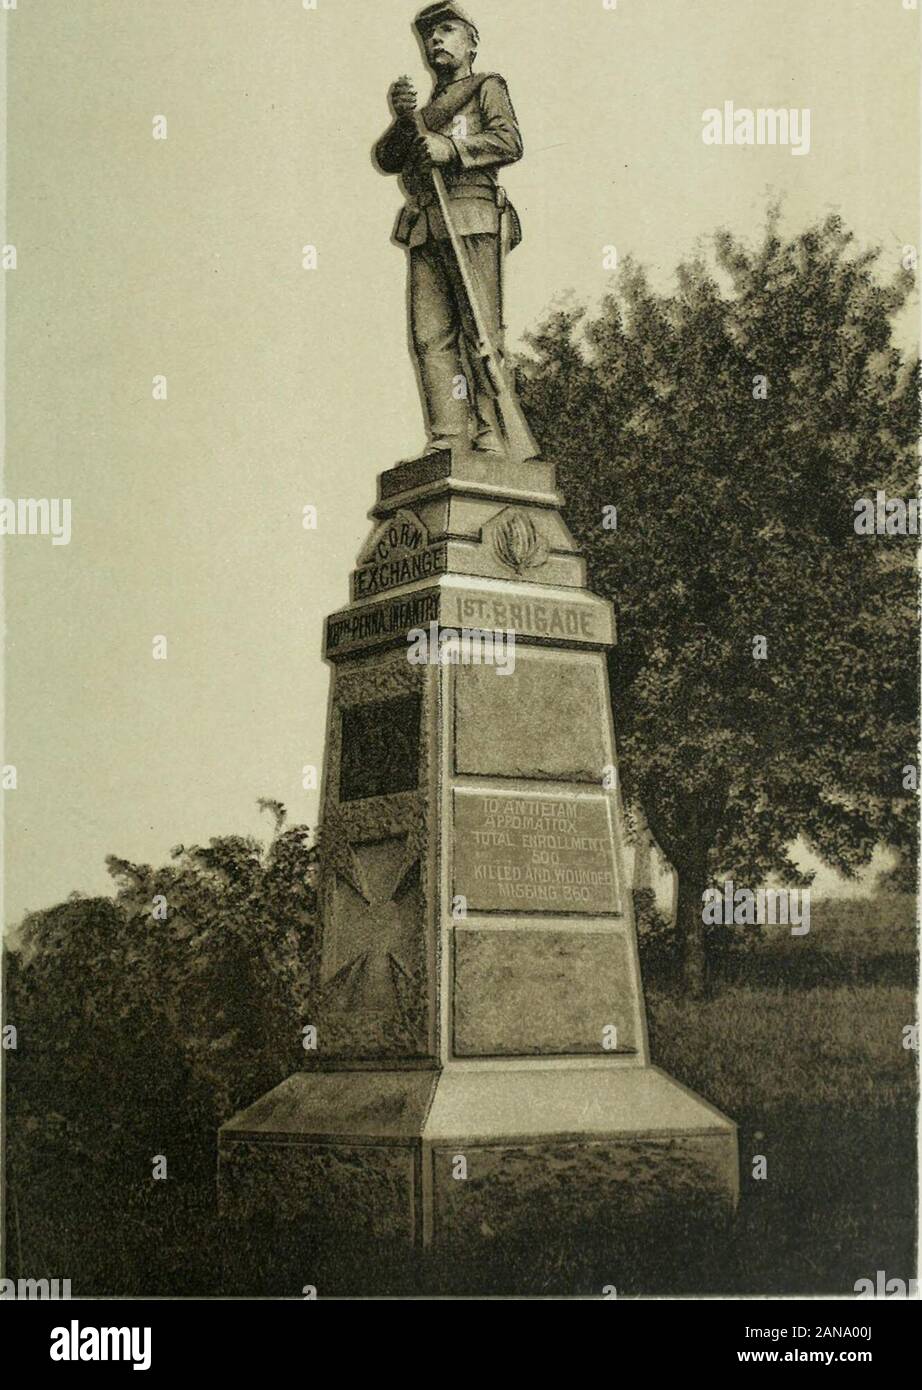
(183, 257)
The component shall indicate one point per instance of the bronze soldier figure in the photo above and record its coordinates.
(467, 132)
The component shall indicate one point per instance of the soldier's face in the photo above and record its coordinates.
(448, 46)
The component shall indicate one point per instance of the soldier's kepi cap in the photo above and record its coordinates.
(440, 14)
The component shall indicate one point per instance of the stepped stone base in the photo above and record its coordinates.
(473, 1153)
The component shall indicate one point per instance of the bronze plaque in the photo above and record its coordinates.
(532, 853)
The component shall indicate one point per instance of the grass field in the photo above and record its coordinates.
(800, 1041)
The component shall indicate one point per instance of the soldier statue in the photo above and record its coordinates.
(457, 225)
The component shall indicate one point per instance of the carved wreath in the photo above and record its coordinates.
(517, 543)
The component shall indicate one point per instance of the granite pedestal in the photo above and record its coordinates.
(482, 1062)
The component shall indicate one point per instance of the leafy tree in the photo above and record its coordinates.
(734, 423)
(146, 1020)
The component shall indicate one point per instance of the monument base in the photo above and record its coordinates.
(481, 1064)
(473, 1153)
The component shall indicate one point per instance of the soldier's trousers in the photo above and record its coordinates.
(455, 391)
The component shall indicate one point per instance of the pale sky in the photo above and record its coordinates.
(182, 257)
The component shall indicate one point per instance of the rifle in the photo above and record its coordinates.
(520, 443)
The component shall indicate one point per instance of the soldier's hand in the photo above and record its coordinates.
(402, 96)
(434, 149)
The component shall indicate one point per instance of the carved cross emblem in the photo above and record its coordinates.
(374, 926)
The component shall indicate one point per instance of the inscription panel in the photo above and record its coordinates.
(401, 534)
(542, 853)
(396, 570)
(380, 748)
(548, 721)
(563, 622)
(589, 621)
(522, 992)
(398, 553)
(379, 624)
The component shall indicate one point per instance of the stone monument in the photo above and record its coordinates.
(481, 1053)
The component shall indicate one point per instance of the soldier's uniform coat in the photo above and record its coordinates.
(480, 107)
